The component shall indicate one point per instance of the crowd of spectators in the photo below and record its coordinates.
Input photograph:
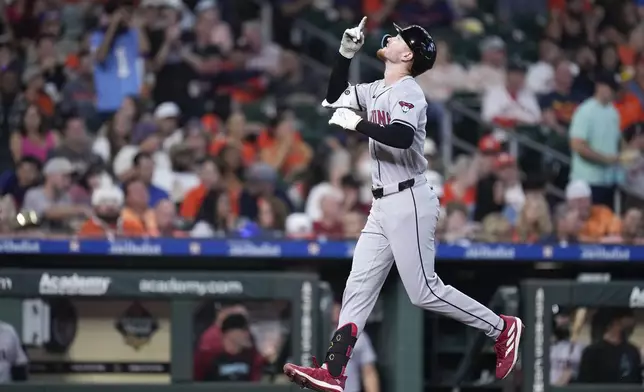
(125, 118)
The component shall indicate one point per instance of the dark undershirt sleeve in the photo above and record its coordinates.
(19, 373)
(394, 135)
(339, 79)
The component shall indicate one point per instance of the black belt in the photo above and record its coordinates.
(378, 193)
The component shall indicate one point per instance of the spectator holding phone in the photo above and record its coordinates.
(117, 47)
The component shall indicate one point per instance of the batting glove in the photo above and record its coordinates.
(345, 118)
(352, 39)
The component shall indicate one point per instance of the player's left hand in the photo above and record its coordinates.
(345, 118)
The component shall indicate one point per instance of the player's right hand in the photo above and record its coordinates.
(353, 39)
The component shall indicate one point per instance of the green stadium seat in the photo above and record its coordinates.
(255, 112)
(313, 122)
(315, 17)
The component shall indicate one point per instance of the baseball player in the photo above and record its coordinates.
(405, 209)
(13, 361)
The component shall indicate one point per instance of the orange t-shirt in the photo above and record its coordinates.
(601, 223)
(192, 202)
(626, 55)
(295, 158)
(449, 196)
(630, 110)
(147, 222)
(248, 151)
(45, 104)
(124, 228)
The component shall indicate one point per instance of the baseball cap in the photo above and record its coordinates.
(107, 195)
(204, 5)
(176, 4)
(489, 144)
(577, 189)
(58, 166)
(492, 43)
(234, 321)
(299, 225)
(167, 110)
(143, 131)
(261, 172)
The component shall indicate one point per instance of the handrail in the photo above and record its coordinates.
(266, 17)
(522, 139)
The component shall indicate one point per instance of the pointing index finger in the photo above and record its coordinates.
(363, 22)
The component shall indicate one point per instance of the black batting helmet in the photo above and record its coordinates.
(420, 43)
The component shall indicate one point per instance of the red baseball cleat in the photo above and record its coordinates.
(507, 346)
(315, 378)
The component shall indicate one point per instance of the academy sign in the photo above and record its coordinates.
(73, 285)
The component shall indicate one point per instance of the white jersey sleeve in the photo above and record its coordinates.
(407, 104)
(354, 97)
(11, 346)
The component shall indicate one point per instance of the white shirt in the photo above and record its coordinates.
(635, 176)
(540, 78)
(317, 193)
(442, 81)
(515, 197)
(175, 138)
(101, 147)
(124, 160)
(497, 102)
(175, 183)
(11, 352)
(268, 59)
(564, 355)
(483, 76)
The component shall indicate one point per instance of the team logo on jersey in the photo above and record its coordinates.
(405, 106)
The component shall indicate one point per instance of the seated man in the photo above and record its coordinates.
(106, 221)
(612, 359)
(51, 201)
(235, 359)
(598, 220)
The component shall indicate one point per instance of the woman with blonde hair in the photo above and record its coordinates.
(534, 221)
(495, 228)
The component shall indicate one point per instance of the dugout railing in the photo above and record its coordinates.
(537, 300)
(400, 340)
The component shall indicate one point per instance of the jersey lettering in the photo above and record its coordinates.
(402, 102)
(380, 117)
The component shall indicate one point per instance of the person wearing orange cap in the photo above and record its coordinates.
(489, 149)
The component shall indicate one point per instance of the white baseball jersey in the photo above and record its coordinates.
(564, 355)
(402, 102)
(11, 352)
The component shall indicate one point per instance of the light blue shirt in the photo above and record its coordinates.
(598, 126)
(118, 76)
